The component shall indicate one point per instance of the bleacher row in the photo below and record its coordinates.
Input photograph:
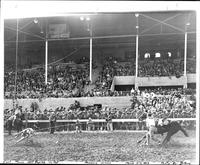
(70, 80)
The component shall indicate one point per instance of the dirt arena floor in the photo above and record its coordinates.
(114, 146)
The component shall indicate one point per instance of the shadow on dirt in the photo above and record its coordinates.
(30, 143)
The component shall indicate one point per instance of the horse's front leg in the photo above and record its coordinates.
(168, 137)
(139, 141)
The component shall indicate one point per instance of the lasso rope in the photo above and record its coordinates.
(59, 126)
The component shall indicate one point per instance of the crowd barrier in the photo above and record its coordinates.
(113, 120)
(101, 124)
(53, 103)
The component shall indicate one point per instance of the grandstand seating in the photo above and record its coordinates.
(72, 80)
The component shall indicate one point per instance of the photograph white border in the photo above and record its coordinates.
(13, 9)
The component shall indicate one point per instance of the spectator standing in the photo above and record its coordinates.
(78, 126)
(132, 91)
(52, 122)
(109, 122)
(90, 124)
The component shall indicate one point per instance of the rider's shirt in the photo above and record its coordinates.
(17, 112)
(11, 118)
(160, 122)
(150, 122)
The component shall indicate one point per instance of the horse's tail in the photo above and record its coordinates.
(184, 131)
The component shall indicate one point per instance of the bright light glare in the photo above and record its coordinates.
(157, 55)
(169, 54)
(32, 9)
(147, 55)
(81, 18)
(137, 15)
(88, 18)
(35, 20)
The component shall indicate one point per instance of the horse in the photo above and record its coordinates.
(172, 128)
(16, 123)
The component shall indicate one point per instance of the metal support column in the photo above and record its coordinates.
(91, 60)
(136, 69)
(185, 60)
(90, 28)
(16, 56)
(46, 61)
(136, 66)
(185, 55)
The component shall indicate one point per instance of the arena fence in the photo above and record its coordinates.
(101, 124)
(103, 120)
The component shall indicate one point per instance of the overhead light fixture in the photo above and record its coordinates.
(88, 18)
(137, 27)
(188, 24)
(35, 20)
(137, 15)
(81, 18)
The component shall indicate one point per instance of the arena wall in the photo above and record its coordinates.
(53, 103)
(155, 81)
(161, 81)
(124, 80)
(191, 78)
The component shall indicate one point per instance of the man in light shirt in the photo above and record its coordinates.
(151, 124)
(132, 91)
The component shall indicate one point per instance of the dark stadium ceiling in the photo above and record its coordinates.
(155, 28)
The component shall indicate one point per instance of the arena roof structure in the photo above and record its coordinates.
(110, 29)
(151, 28)
(113, 24)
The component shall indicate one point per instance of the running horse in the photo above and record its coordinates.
(172, 128)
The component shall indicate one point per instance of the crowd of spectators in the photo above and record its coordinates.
(175, 105)
(111, 67)
(161, 67)
(62, 82)
(66, 81)
(191, 65)
(169, 104)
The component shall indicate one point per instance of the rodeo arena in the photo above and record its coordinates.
(100, 87)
